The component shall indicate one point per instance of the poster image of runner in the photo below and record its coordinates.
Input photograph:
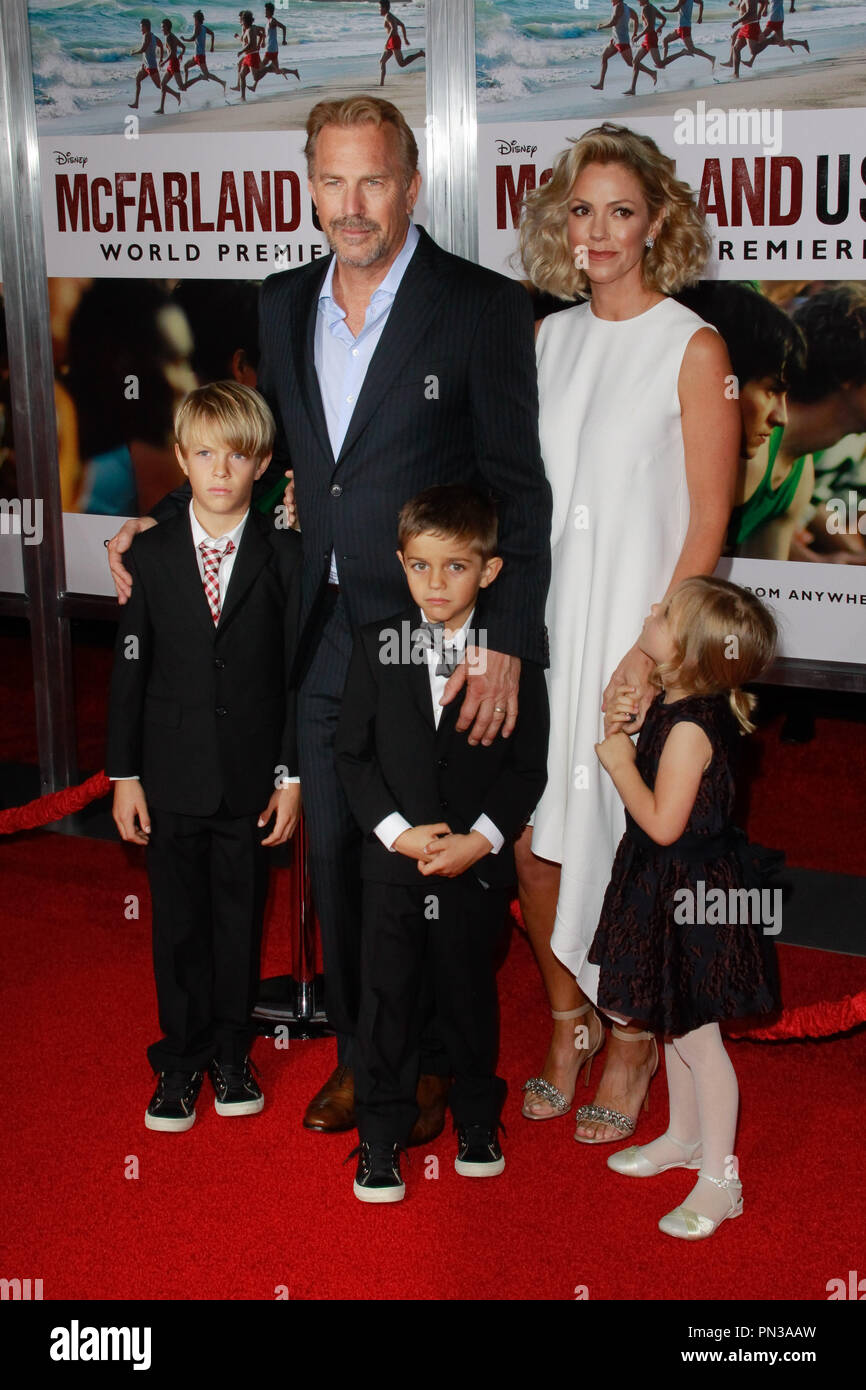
(553, 59)
(223, 66)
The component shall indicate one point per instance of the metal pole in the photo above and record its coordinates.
(452, 164)
(31, 369)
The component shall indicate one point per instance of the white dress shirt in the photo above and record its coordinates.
(199, 534)
(392, 827)
(341, 360)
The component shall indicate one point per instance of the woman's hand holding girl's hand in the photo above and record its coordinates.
(619, 711)
(616, 753)
(634, 670)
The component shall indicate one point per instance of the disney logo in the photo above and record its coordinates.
(67, 158)
(512, 147)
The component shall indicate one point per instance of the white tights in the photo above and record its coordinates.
(704, 1099)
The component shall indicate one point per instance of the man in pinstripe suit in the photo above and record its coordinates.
(390, 367)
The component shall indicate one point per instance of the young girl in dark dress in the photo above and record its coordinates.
(674, 954)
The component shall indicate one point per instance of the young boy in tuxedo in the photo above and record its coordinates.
(202, 745)
(438, 815)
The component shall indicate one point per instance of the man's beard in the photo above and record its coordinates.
(363, 258)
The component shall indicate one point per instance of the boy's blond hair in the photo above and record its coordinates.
(239, 415)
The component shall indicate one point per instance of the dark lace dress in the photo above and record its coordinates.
(675, 975)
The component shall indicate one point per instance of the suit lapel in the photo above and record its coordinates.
(253, 552)
(304, 346)
(182, 569)
(414, 672)
(448, 720)
(413, 306)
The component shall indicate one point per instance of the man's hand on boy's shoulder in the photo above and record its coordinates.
(452, 855)
(130, 804)
(116, 548)
(285, 804)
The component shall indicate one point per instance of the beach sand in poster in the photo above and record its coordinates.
(828, 84)
(539, 59)
(84, 74)
(289, 110)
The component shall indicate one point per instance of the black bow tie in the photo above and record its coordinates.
(450, 656)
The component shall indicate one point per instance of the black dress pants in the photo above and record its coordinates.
(334, 839)
(208, 882)
(441, 936)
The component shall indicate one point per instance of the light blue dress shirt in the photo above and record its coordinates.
(341, 361)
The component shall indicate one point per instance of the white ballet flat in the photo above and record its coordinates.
(633, 1163)
(686, 1224)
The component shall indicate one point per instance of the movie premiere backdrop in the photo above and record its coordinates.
(778, 157)
(173, 182)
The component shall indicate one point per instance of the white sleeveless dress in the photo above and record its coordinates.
(611, 440)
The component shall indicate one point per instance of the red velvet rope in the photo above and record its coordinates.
(54, 806)
(821, 1020)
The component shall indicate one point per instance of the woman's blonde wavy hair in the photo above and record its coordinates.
(683, 243)
(723, 637)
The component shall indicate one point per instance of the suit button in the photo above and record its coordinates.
(219, 663)
(445, 805)
(221, 710)
(336, 490)
(443, 762)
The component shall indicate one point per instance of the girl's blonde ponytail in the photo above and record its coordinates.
(742, 705)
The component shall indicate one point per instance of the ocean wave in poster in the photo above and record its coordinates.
(529, 48)
(82, 49)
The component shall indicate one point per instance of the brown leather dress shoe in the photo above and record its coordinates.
(332, 1109)
(432, 1097)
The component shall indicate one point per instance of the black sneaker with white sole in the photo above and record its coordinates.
(172, 1105)
(236, 1091)
(378, 1177)
(478, 1152)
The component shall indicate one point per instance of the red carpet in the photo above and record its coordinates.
(235, 1209)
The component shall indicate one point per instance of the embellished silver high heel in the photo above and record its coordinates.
(601, 1114)
(545, 1090)
(686, 1224)
(633, 1162)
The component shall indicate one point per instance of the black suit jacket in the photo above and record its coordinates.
(202, 713)
(391, 757)
(450, 396)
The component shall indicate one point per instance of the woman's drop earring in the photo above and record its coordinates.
(650, 243)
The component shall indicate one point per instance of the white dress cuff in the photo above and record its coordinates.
(486, 827)
(391, 828)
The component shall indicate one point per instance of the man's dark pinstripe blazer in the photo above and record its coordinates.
(450, 395)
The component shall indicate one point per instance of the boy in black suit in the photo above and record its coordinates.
(202, 745)
(438, 814)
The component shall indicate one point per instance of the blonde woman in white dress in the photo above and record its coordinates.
(639, 432)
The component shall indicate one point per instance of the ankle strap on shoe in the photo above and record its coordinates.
(724, 1183)
(570, 1013)
(686, 1148)
(629, 1037)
